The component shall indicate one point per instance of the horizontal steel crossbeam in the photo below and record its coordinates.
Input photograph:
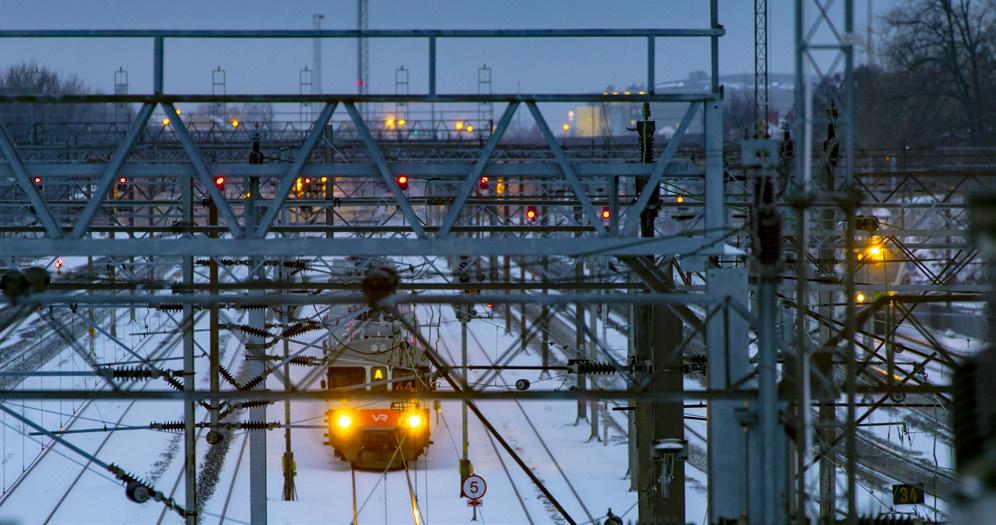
(571, 247)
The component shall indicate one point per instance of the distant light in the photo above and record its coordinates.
(679, 199)
(235, 123)
(860, 297)
(615, 92)
(179, 111)
(605, 93)
(470, 129)
(627, 93)
(165, 121)
(389, 123)
(566, 127)
(458, 125)
(500, 188)
(58, 264)
(359, 82)
(401, 122)
(324, 180)
(642, 92)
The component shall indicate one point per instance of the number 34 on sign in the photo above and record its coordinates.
(473, 488)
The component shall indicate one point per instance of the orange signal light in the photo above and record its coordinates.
(402, 181)
(531, 213)
(219, 182)
(606, 213)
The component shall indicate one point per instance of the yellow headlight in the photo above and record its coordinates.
(413, 421)
(344, 421)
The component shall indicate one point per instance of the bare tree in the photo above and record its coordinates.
(947, 49)
(29, 122)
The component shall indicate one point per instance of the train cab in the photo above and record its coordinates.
(377, 434)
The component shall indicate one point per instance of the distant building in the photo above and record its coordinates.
(616, 117)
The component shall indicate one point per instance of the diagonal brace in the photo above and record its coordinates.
(111, 171)
(565, 166)
(385, 172)
(41, 210)
(202, 172)
(633, 215)
(300, 159)
(477, 170)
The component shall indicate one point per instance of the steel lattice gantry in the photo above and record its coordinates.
(173, 210)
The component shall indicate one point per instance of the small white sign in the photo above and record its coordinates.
(474, 487)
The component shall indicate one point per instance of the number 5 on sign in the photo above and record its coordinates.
(474, 487)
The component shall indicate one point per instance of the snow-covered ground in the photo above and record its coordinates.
(587, 476)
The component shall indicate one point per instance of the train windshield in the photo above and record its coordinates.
(414, 384)
(343, 376)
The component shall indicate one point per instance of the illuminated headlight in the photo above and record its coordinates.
(343, 421)
(413, 421)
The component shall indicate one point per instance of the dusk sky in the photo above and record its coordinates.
(273, 66)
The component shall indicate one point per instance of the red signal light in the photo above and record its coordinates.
(402, 181)
(122, 180)
(485, 182)
(531, 213)
(219, 182)
(38, 180)
(307, 180)
(606, 213)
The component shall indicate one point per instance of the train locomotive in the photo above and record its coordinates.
(376, 356)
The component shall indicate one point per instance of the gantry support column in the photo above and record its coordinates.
(727, 365)
(658, 335)
(254, 352)
(189, 385)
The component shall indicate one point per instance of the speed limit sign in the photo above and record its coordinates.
(474, 487)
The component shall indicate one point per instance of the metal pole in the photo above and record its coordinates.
(847, 122)
(189, 416)
(432, 74)
(255, 348)
(316, 56)
(157, 65)
(768, 405)
(465, 467)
